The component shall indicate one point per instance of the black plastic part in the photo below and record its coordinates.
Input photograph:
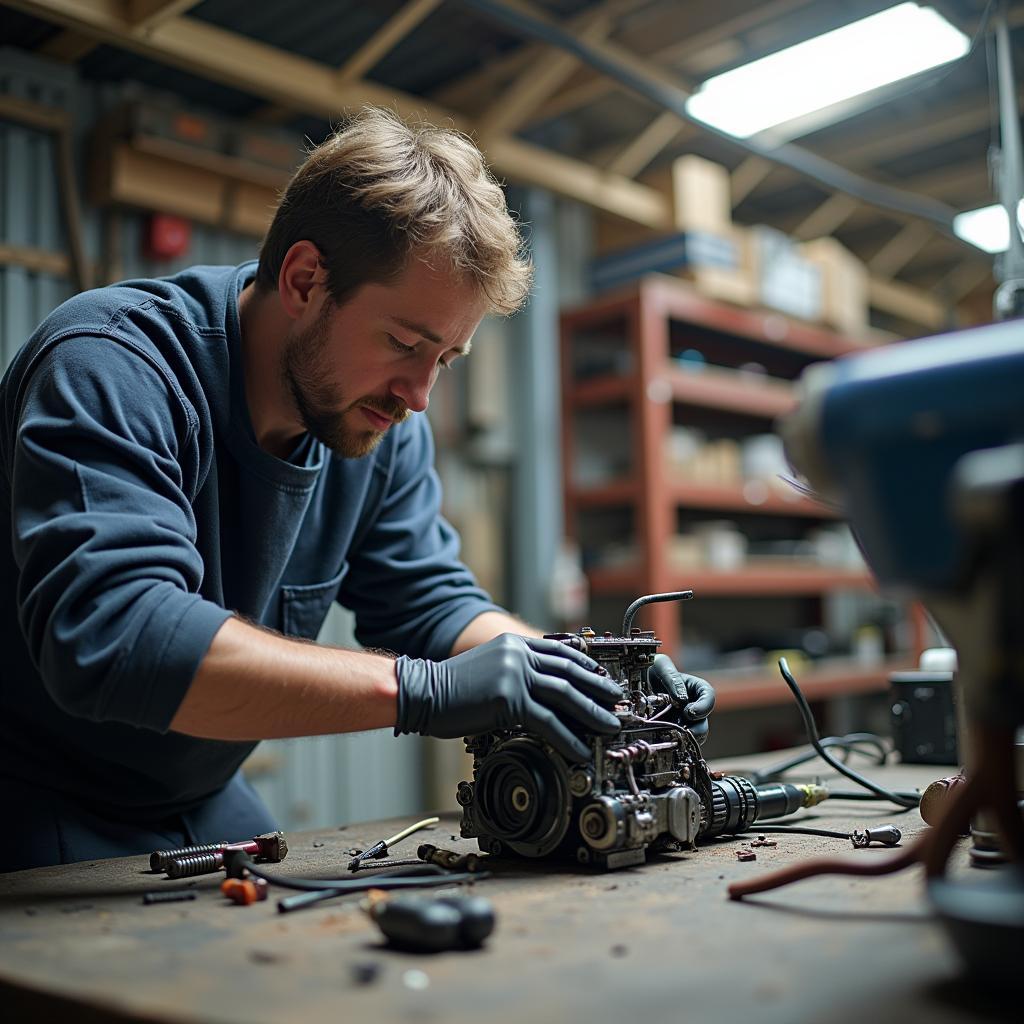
(170, 896)
(432, 926)
(733, 806)
(777, 799)
(236, 863)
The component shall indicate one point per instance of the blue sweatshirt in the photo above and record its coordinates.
(137, 512)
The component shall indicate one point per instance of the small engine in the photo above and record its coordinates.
(646, 788)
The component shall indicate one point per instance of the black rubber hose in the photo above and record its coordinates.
(899, 799)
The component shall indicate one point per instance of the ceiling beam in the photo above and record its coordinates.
(70, 47)
(465, 92)
(648, 143)
(964, 278)
(862, 150)
(824, 219)
(293, 81)
(676, 53)
(386, 38)
(747, 176)
(536, 83)
(900, 249)
(143, 14)
(382, 42)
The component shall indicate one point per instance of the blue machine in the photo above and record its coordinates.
(922, 445)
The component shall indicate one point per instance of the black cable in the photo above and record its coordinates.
(857, 794)
(315, 890)
(812, 733)
(850, 742)
(828, 833)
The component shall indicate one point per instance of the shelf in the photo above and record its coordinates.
(720, 497)
(734, 499)
(680, 301)
(838, 679)
(732, 391)
(752, 581)
(627, 340)
(707, 388)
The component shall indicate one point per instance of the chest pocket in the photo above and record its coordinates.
(304, 607)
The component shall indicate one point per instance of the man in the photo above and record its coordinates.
(192, 469)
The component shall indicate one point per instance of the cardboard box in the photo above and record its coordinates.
(699, 193)
(786, 281)
(844, 286)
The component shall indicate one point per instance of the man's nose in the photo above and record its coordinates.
(414, 388)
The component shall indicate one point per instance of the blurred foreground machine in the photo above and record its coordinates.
(922, 444)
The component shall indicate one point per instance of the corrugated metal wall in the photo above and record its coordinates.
(307, 783)
(30, 212)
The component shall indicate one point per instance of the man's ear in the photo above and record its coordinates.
(302, 282)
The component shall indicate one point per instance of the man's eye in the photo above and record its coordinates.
(399, 347)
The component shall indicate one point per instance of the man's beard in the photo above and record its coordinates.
(321, 409)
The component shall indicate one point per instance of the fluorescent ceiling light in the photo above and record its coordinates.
(988, 228)
(857, 58)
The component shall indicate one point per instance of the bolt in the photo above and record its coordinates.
(159, 858)
(197, 864)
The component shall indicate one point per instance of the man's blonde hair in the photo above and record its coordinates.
(380, 191)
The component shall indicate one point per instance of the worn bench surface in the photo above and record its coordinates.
(660, 942)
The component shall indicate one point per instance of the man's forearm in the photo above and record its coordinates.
(254, 685)
(489, 625)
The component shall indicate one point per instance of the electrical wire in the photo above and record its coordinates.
(850, 742)
(857, 794)
(828, 833)
(316, 890)
(900, 799)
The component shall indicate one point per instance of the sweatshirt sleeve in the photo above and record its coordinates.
(410, 592)
(104, 465)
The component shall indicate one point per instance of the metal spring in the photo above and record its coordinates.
(159, 859)
(198, 864)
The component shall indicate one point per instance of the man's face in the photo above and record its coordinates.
(369, 363)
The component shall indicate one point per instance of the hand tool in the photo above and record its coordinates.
(420, 925)
(380, 849)
(271, 846)
(244, 890)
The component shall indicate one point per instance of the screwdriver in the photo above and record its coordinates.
(421, 925)
(380, 849)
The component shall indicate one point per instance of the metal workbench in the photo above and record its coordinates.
(660, 942)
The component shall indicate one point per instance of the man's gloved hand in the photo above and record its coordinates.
(508, 681)
(697, 694)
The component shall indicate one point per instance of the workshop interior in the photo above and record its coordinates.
(763, 414)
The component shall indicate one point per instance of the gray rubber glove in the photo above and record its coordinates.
(695, 694)
(509, 681)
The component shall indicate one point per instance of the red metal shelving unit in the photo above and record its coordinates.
(648, 389)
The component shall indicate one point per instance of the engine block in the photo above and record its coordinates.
(646, 788)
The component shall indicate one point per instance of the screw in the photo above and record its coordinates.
(197, 864)
(159, 858)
